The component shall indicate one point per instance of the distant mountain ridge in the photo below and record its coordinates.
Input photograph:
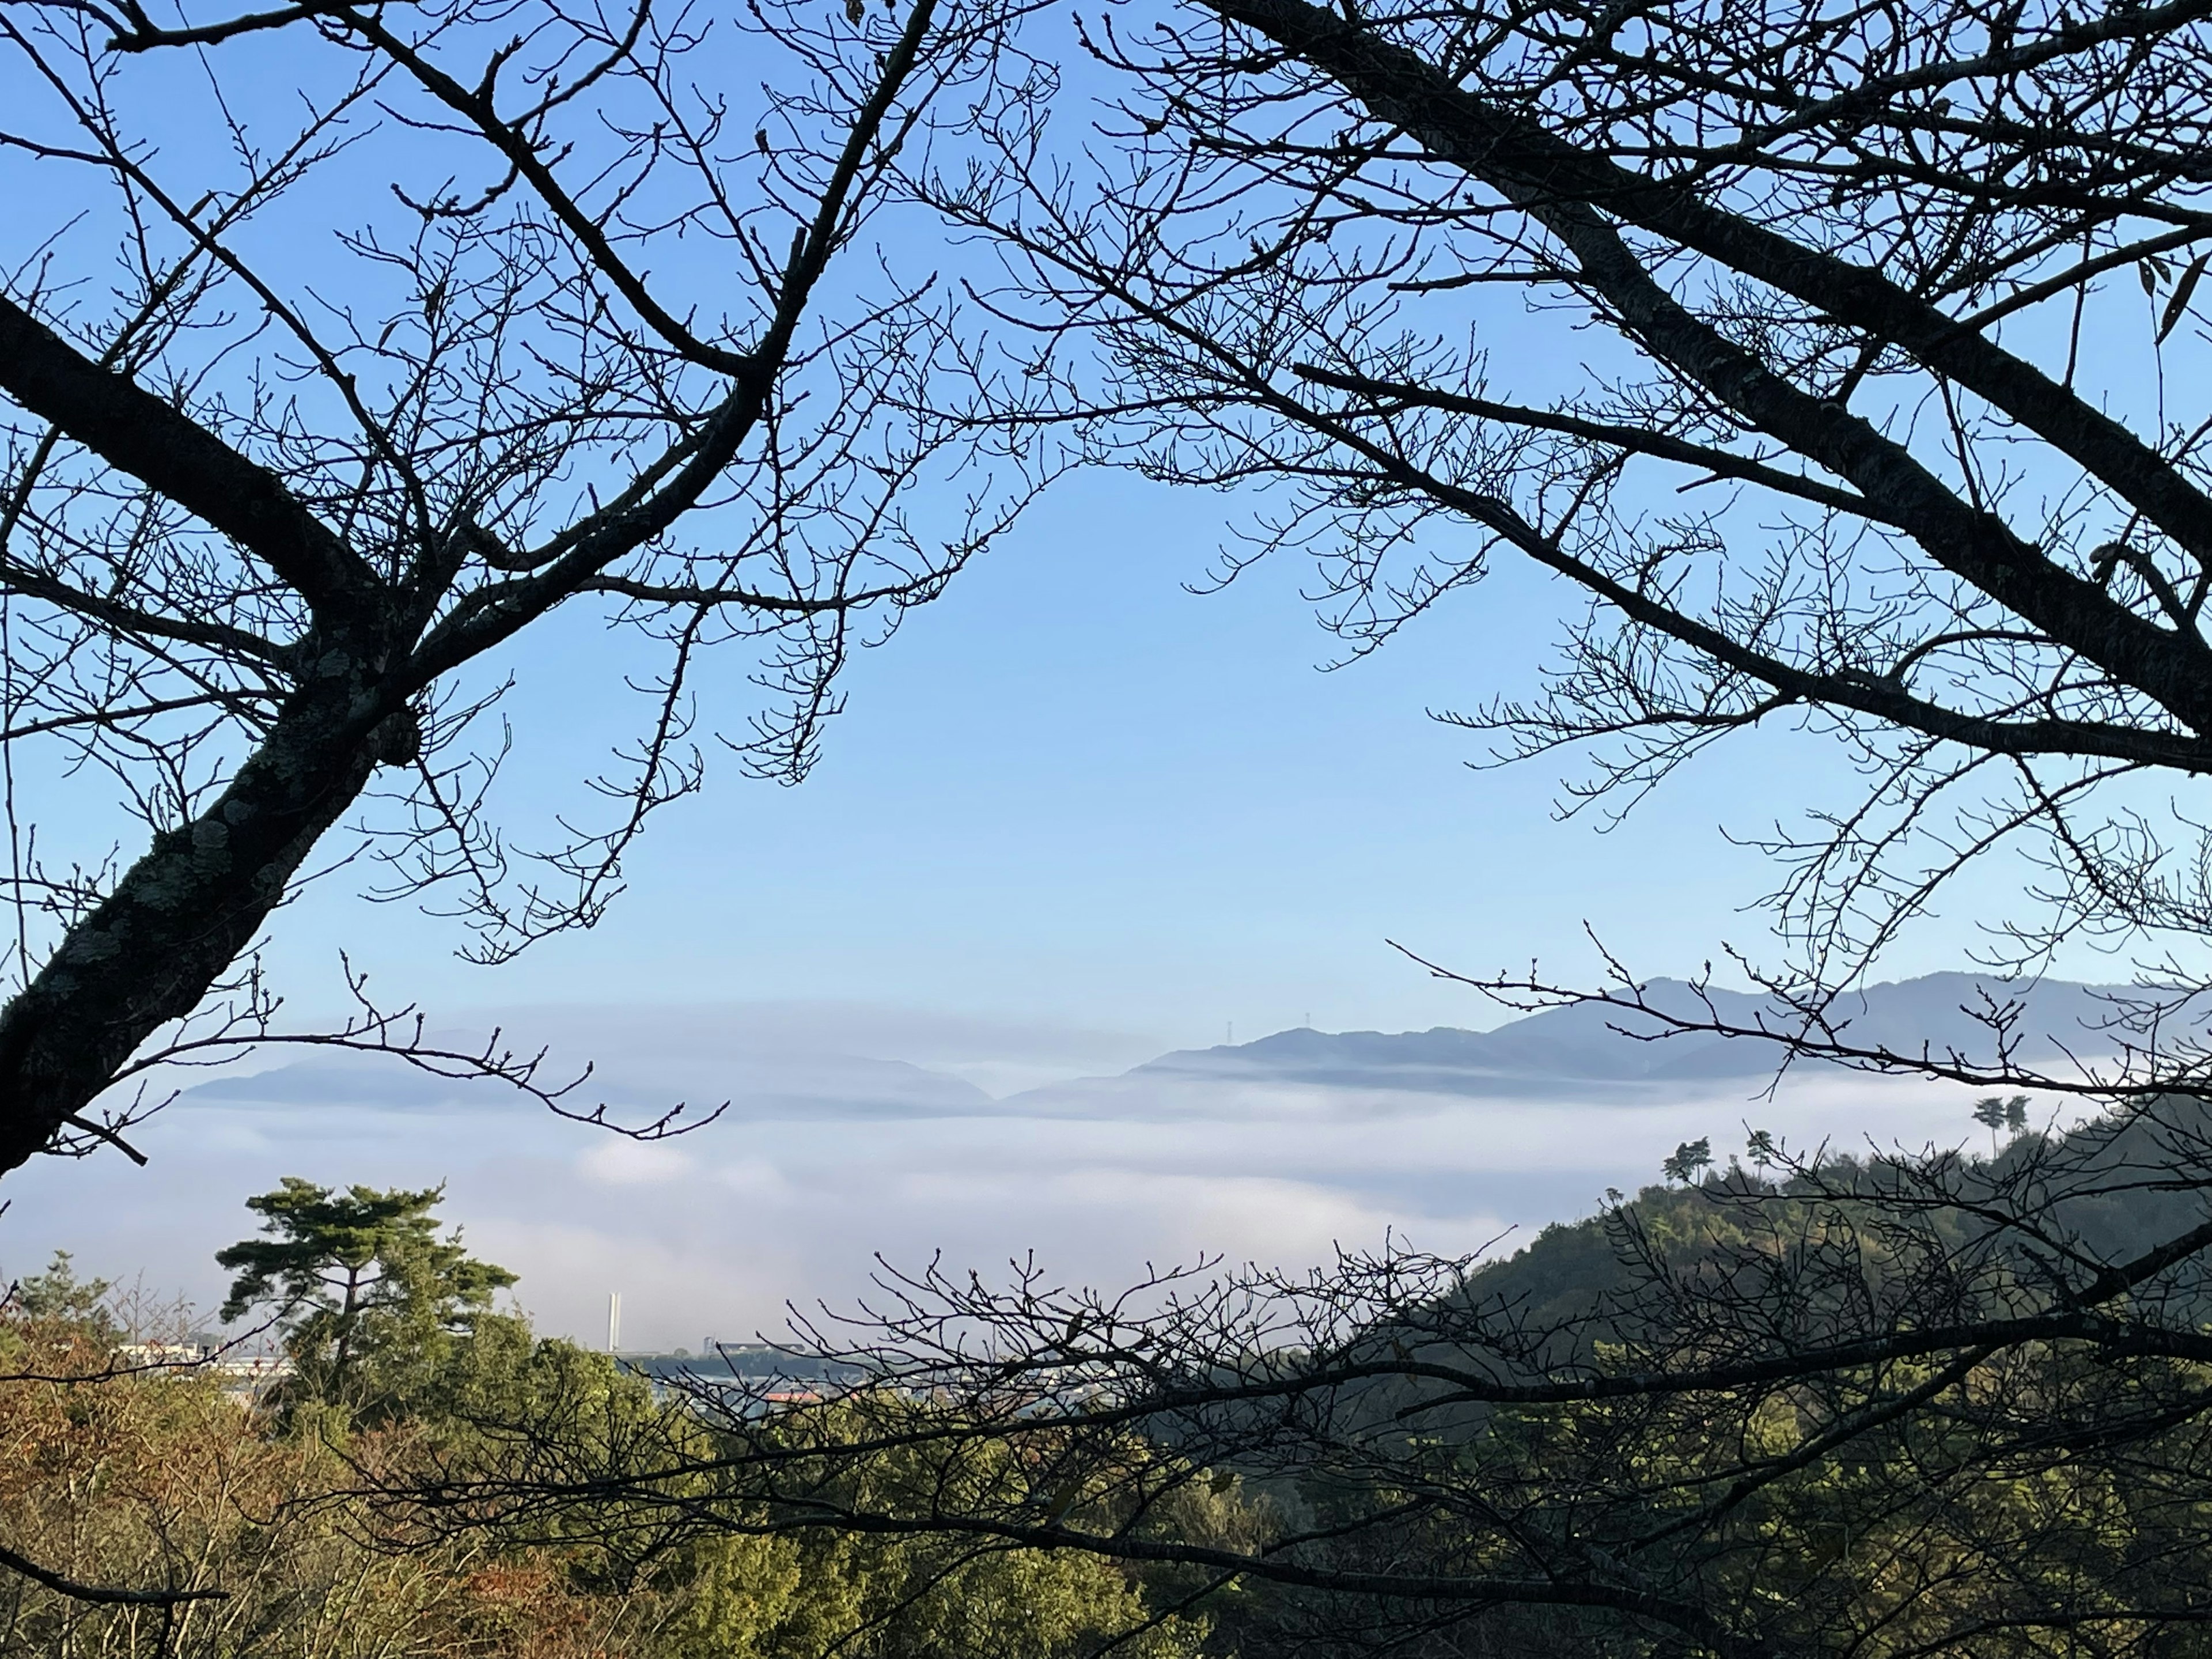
(770, 1089)
(1585, 1053)
(1571, 1048)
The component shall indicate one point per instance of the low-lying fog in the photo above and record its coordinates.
(855, 1133)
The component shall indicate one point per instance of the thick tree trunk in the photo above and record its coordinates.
(182, 914)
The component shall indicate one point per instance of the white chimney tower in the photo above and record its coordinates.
(614, 1321)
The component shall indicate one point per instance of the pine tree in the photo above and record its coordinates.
(362, 1284)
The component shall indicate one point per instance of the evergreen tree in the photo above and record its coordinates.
(1995, 1112)
(59, 1295)
(1989, 1113)
(370, 1298)
(1689, 1158)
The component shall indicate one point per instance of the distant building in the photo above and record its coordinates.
(147, 1355)
(245, 1376)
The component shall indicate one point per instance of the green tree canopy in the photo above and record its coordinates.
(58, 1294)
(1995, 1112)
(362, 1282)
(1689, 1159)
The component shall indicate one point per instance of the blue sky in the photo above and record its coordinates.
(1075, 816)
(1070, 788)
(1071, 791)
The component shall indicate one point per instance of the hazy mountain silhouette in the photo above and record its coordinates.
(1591, 1053)
(1600, 1051)
(758, 1087)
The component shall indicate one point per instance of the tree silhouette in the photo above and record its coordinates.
(1810, 357)
(1991, 1114)
(353, 1271)
(1844, 363)
(1688, 1158)
(1997, 1112)
(341, 347)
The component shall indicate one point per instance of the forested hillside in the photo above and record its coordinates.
(1828, 1398)
(154, 1504)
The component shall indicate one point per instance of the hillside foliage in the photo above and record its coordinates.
(259, 1523)
(1900, 1403)
(1890, 1406)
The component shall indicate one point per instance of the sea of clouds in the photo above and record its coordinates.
(854, 1134)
